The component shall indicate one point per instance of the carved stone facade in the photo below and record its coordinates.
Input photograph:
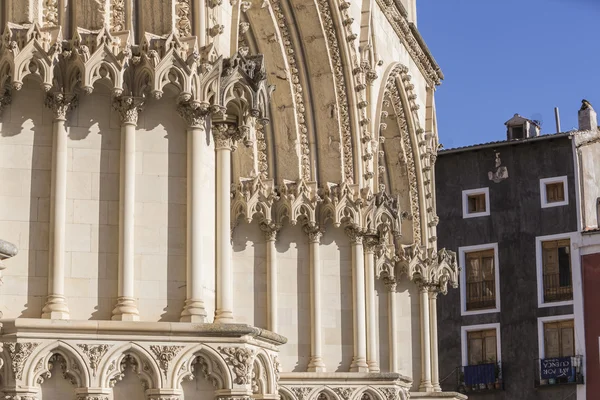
(217, 199)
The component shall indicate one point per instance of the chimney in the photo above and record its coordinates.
(588, 120)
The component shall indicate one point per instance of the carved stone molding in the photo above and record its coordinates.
(94, 353)
(240, 360)
(60, 104)
(128, 108)
(19, 353)
(296, 84)
(183, 16)
(117, 15)
(164, 355)
(340, 88)
(92, 397)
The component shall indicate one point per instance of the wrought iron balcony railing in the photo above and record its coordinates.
(557, 287)
(481, 295)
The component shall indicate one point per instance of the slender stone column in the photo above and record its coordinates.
(359, 361)
(425, 385)
(270, 231)
(435, 373)
(126, 307)
(393, 325)
(371, 310)
(195, 116)
(316, 363)
(56, 304)
(225, 136)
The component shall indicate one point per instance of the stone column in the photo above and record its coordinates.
(316, 363)
(393, 325)
(425, 385)
(225, 136)
(435, 373)
(270, 231)
(195, 116)
(56, 304)
(370, 306)
(359, 361)
(129, 109)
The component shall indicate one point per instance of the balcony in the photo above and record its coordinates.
(557, 287)
(480, 378)
(481, 295)
(558, 371)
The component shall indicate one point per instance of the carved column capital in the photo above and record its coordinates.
(355, 234)
(60, 104)
(129, 108)
(225, 136)
(370, 243)
(270, 230)
(313, 232)
(390, 284)
(194, 113)
(241, 360)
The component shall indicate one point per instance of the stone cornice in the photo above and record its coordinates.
(412, 40)
(31, 327)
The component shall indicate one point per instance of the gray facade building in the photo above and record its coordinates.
(509, 210)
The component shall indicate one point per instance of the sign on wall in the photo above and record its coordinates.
(560, 367)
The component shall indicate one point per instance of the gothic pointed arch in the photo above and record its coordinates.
(44, 361)
(201, 358)
(144, 365)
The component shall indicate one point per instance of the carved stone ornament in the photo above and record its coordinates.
(183, 22)
(60, 104)
(302, 392)
(240, 360)
(117, 14)
(19, 353)
(340, 88)
(344, 392)
(164, 355)
(226, 136)
(128, 108)
(390, 393)
(92, 397)
(94, 353)
(194, 113)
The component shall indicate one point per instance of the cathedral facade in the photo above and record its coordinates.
(218, 199)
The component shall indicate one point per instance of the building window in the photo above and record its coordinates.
(559, 339)
(553, 192)
(480, 344)
(481, 347)
(556, 265)
(476, 203)
(517, 132)
(555, 270)
(479, 279)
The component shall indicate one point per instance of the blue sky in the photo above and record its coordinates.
(502, 57)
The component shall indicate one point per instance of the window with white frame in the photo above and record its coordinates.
(479, 279)
(554, 192)
(556, 336)
(480, 344)
(476, 202)
(554, 270)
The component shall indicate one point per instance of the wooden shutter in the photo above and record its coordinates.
(481, 347)
(559, 339)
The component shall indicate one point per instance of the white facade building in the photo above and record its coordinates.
(218, 200)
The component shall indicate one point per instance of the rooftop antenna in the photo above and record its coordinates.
(557, 118)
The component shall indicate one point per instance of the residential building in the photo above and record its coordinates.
(512, 210)
(218, 200)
